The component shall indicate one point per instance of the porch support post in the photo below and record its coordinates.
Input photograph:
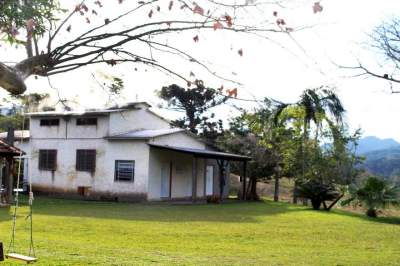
(244, 180)
(194, 179)
(9, 181)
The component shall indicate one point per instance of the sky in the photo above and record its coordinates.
(281, 67)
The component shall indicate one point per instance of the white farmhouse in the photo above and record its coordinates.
(126, 153)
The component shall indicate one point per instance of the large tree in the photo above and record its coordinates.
(195, 103)
(56, 40)
(314, 107)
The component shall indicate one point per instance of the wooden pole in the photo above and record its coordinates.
(1, 252)
(276, 190)
(194, 179)
(244, 180)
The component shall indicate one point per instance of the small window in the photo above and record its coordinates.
(124, 170)
(86, 121)
(47, 160)
(86, 160)
(49, 122)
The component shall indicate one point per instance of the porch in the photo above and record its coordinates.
(178, 173)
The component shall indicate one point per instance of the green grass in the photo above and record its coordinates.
(70, 232)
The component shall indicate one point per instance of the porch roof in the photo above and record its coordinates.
(203, 153)
(9, 150)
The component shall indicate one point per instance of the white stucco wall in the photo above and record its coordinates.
(67, 179)
(181, 174)
(133, 120)
(180, 139)
(68, 128)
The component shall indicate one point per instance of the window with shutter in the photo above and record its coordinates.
(48, 160)
(86, 121)
(124, 170)
(48, 122)
(86, 160)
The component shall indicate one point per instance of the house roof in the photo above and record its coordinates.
(75, 113)
(144, 134)
(18, 134)
(7, 149)
(106, 111)
(201, 153)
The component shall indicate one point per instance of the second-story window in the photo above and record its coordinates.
(48, 160)
(47, 122)
(86, 121)
(86, 160)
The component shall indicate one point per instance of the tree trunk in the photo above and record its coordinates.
(9, 180)
(276, 191)
(252, 192)
(12, 79)
(334, 202)
(372, 213)
(295, 192)
(316, 204)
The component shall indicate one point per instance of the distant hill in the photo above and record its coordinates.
(382, 156)
(371, 143)
(384, 162)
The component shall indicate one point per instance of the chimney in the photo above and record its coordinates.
(10, 136)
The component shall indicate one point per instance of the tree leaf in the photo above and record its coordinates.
(218, 25)
(198, 10)
(317, 7)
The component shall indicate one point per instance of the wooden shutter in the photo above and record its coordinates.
(86, 160)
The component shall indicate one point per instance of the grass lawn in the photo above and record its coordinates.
(71, 232)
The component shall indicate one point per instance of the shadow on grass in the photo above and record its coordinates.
(384, 220)
(5, 213)
(231, 212)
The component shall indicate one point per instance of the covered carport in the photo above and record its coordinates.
(221, 158)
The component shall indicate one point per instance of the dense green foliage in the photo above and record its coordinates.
(317, 192)
(13, 121)
(373, 194)
(100, 233)
(196, 104)
(34, 16)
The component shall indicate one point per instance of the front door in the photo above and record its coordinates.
(209, 180)
(165, 180)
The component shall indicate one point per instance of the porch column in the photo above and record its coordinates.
(244, 180)
(194, 179)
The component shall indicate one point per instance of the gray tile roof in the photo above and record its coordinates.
(144, 134)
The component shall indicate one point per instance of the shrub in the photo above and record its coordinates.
(373, 194)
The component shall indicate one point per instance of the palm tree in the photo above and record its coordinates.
(373, 194)
(318, 105)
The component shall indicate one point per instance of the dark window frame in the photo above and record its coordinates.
(85, 160)
(117, 173)
(49, 122)
(86, 121)
(46, 163)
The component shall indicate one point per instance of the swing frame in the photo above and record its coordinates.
(10, 253)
